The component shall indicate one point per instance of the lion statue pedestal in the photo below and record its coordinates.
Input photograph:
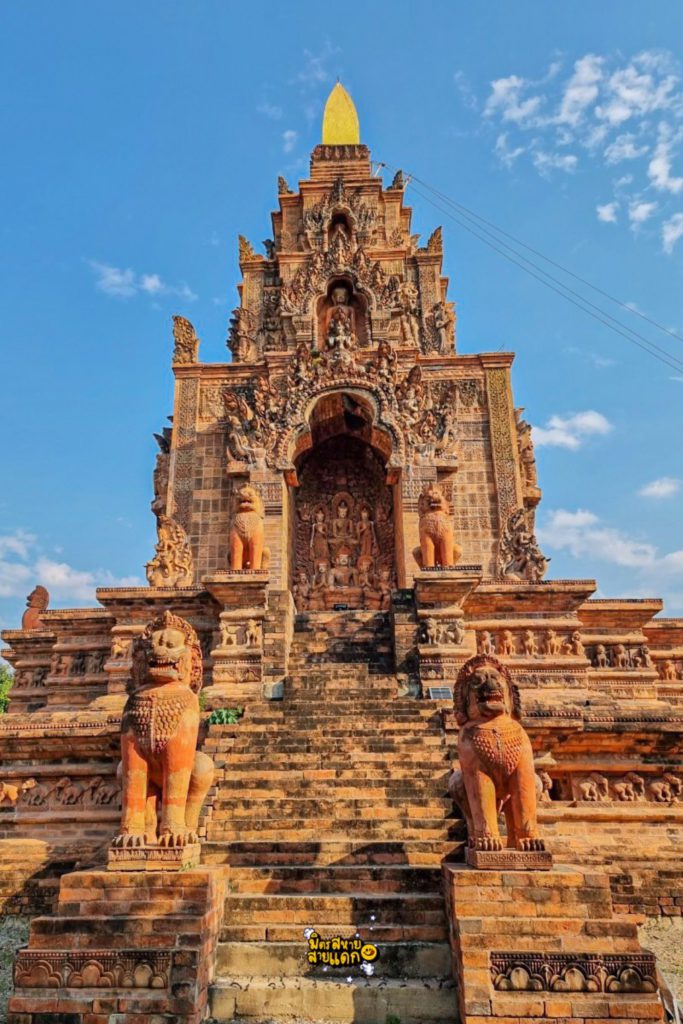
(496, 770)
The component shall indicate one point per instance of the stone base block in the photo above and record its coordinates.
(510, 860)
(539, 944)
(153, 858)
(135, 947)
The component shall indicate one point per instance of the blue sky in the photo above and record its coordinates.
(140, 139)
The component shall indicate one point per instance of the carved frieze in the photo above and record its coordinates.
(93, 968)
(573, 972)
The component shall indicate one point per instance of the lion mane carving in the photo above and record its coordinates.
(496, 760)
(164, 777)
(247, 549)
(437, 540)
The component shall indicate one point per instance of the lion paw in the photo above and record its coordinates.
(176, 837)
(487, 843)
(530, 843)
(129, 840)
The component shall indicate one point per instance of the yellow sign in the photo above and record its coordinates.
(340, 952)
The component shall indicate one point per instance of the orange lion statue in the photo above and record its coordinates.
(247, 549)
(165, 778)
(496, 759)
(437, 540)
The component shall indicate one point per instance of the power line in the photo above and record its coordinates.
(559, 287)
(466, 211)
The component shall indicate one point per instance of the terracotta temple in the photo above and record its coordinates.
(457, 785)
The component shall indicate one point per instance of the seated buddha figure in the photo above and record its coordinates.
(316, 597)
(367, 582)
(342, 582)
(339, 319)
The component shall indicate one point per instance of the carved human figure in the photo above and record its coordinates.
(525, 446)
(319, 587)
(437, 539)
(36, 603)
(164, 777)
(520, 555)
(407, 307)
(343, 531)
(172, 563)
(340, 316)
(546, 784)
(301, 592)
(342, 574)
(496, 759)
(365, 534)
(384, 587)
(319, 546)
(442, 325)
(507, 644)
(247, 550)
(185, 341)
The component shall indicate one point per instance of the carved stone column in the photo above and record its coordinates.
(442, 641)
(238, 657)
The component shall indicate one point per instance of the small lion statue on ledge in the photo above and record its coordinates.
(247, 551)
(437, 539)
(496, 759)
(164, 777)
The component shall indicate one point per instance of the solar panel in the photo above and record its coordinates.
(440, 693)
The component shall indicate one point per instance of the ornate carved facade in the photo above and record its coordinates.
(345, 514)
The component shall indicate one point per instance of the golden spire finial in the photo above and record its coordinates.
(340, 120)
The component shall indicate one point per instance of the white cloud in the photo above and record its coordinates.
(582, 534)
(506, 100)
(123, 284)
(664, 487)
(113, 280)
(631, 92)
(639, 212)
(22, 566)
(546, 162)
(672, 230)
(465, 90)
(270, 110)
(581, 90)
(607, 212)
(505, 153)
(624, 147)
(659, 168)
(571, 431)
(289, 138)
(314, 72)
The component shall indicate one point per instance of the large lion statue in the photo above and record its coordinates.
(437, 541)
(247, 550)
(164, 777)
(496, 759)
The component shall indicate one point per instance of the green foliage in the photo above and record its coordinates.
(225, 716)
(202, 701)
(6, 681)
(391, 1018)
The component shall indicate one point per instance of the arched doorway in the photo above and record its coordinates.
(344, 543)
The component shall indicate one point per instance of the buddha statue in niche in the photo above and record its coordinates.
(343, 527)
(341, 319)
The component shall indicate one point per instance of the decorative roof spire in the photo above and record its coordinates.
(340, 120)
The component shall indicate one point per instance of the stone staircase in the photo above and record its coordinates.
(332, 814)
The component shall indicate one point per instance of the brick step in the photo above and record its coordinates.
(401, 721)
(332, 829)
(389, 810)
(364, 1001)
(318, 910)
(370, 762)
(144, 929)
(395, 795)
(324, 852)
(288, 959)
(329, 746)
(341, 879)
(293, 931)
